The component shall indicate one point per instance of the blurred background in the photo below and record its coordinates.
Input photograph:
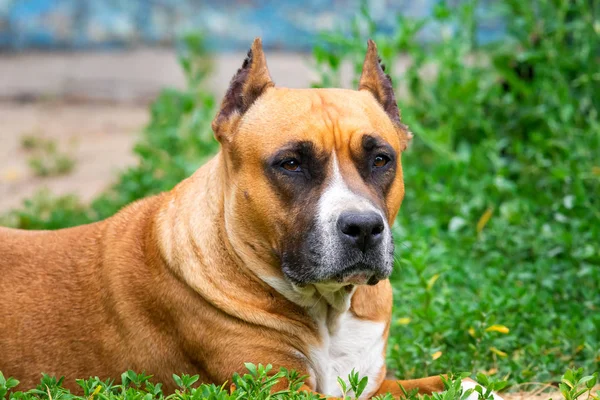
(105, 102)
(77, 53)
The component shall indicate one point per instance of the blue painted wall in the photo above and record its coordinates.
(229, 24)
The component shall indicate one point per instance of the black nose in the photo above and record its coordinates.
(362, 230)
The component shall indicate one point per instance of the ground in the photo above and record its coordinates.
(98, 137)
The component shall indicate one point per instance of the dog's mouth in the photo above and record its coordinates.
(311, 265)
(359, 273)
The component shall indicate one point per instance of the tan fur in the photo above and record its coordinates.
(176, 283)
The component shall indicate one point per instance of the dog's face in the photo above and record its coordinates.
(315, 179)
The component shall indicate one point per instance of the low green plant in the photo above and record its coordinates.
(574, 385)
(453, 390)
(487, 385)
(6, 385)
(31, 141)
(355, 384)
(258, 384)
(46, 158)
(45, 210)
(51, 164)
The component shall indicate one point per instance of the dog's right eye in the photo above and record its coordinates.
(381, 161)
(291, 165)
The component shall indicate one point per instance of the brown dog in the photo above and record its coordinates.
(276, 251)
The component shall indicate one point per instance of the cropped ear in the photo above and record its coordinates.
(250, 81)
(375, 80)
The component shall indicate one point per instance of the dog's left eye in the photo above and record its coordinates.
(291, 165)
(380, 161)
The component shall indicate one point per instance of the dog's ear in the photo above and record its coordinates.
(250, 81)
(375, 80)
(379, 84)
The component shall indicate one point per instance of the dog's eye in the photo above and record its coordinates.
(291, 165)
(380, 161)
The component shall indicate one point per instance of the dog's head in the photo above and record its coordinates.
(313, 176)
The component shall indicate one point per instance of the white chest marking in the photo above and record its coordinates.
(354, 343)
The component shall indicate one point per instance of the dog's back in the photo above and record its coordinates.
(55, 295)
(46, 278)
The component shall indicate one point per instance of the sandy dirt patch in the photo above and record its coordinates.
(99, 138)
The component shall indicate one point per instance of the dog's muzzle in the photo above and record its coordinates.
(361, 236)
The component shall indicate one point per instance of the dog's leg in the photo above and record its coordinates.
(426, 386)
(306, 388)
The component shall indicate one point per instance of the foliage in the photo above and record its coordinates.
(574, 385)
(355, 385)
(497, 256)
(46, 211)
(176, 142)
(258, 385)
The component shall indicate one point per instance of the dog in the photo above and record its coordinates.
(276, 251)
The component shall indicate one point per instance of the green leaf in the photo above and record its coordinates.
(178, 381)
(251, 368)
(361, 386)
(342, 384)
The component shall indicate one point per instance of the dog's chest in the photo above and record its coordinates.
(352, 343)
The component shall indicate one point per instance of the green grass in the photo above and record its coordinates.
(498, 262)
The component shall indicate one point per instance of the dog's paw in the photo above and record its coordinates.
(471, 384)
